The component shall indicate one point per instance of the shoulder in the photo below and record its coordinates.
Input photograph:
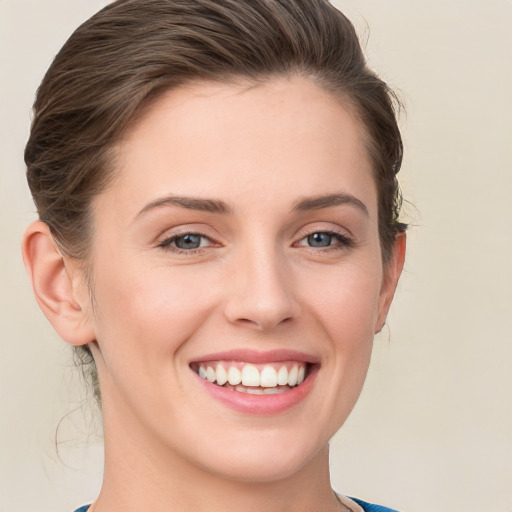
(368, 507)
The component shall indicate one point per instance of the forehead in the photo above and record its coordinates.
(208, 139)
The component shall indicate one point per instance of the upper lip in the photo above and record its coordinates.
(259, 357)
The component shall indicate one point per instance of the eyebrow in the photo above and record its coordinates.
(328, 200)
(220, 207)
(191, 203)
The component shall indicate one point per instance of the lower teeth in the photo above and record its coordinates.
(258, 390)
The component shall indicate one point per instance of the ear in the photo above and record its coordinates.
(58, 286)
(392, 271)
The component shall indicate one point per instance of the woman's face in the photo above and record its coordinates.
(239, 240)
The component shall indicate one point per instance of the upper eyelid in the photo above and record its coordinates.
(168, 244)
(337, 230)
(327, 232)
(215, 239)
(342, 237)
(176, 232)
(170, 238)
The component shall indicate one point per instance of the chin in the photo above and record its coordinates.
(264, 468)
(262, 457)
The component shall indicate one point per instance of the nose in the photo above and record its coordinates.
(261, 292)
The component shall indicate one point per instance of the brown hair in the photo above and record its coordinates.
(133, 50)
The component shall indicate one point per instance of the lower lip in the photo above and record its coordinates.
(261, 404)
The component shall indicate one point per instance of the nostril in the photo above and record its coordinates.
(263, 324)
(247, 322)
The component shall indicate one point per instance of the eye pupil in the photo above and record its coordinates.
(189, 241)
(319, 240)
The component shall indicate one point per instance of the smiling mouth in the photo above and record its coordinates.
(255, 379)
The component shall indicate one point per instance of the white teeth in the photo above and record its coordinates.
(250, 376)
(210, 374)
(268, 377)
(222, 375)
(282, 376)
(301, 375)
(292, 376)
(254, 391)
(274, 391)
(261, 391)
(234, 376)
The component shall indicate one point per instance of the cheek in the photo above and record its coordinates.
(342, 308)
(347, 310)
(150, 314)
(346, 298)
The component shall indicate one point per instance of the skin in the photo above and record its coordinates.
(255, 283)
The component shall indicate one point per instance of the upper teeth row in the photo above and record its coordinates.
(268, 377)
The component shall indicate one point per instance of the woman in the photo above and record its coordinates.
(216, 186)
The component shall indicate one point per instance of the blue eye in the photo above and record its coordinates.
(325, 240)
(319, 240)
(186, 242)
(190, 241)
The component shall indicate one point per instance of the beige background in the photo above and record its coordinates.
(433, 429)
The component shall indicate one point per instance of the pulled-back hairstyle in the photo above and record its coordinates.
(133, 50)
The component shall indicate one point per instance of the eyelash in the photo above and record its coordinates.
(343, 240)
(167, 243)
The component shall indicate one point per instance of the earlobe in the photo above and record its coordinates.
(53, 286)
(393, 270)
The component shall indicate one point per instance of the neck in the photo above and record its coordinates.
(135, 481)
